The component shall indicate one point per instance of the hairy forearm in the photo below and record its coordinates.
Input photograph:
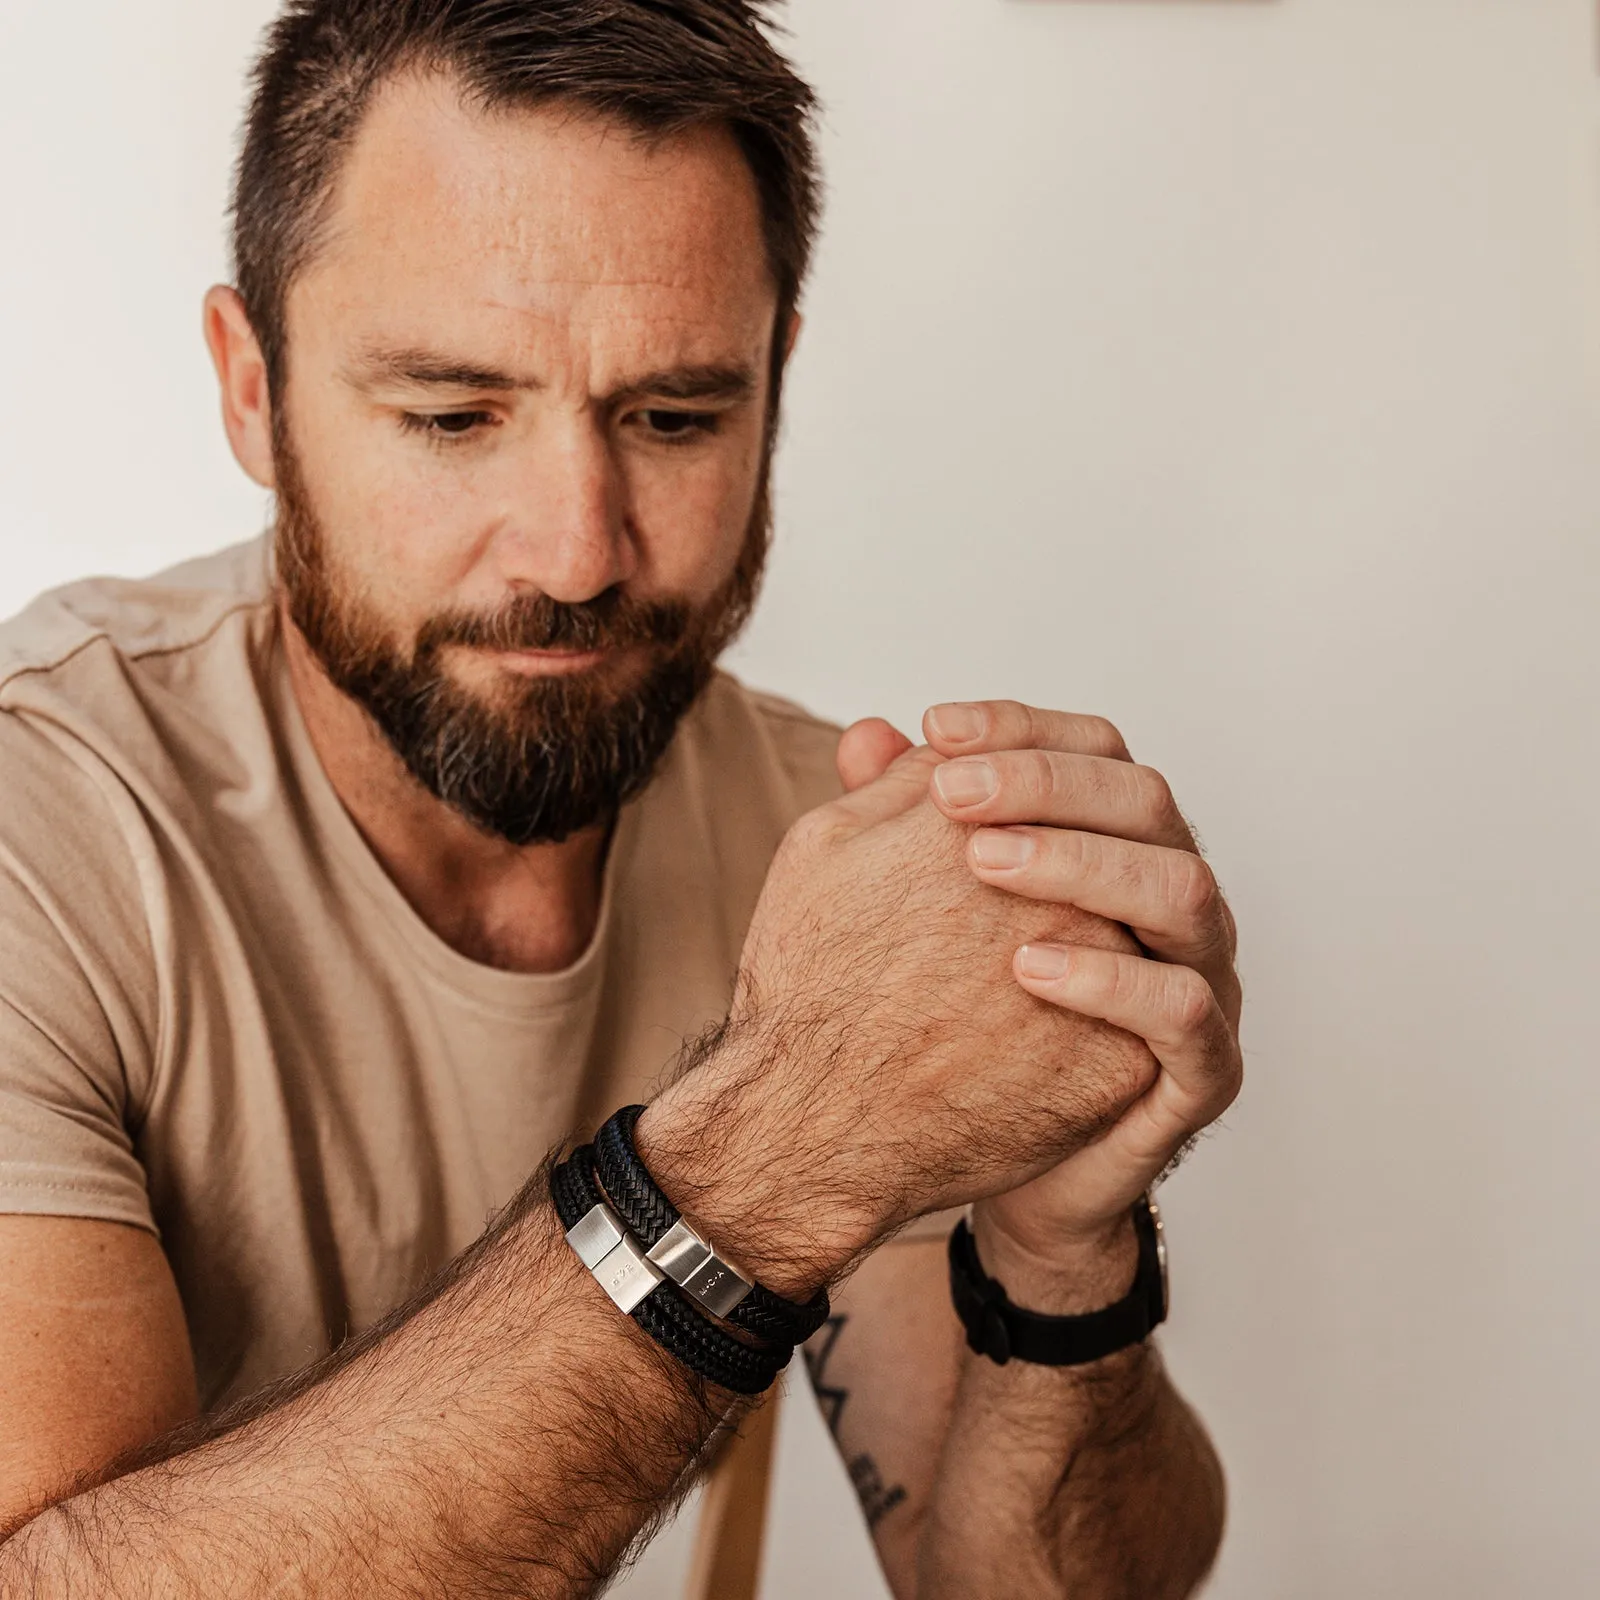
(1094, 1482)
(509, 1431)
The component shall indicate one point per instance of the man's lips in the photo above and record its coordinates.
(537, 662)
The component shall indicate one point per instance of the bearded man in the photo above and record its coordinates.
(345, 874)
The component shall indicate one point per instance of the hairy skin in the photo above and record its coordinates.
(877, 982)
(1082, 1522)
(506, 1432)
(1098, 1484)
(940, 1083)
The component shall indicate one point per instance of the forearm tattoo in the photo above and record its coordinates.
(877, 1498)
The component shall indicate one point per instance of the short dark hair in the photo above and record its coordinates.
(659, 66)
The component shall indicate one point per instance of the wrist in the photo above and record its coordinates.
(1062, 1277)
(714, 1146)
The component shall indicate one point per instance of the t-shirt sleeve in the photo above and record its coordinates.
(77, 986)
(806, 745)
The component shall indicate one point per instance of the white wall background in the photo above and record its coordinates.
(1229, 368)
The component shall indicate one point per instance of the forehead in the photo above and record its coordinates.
(518, 222)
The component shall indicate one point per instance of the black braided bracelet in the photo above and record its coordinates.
(649, 1214)
(665, 1314)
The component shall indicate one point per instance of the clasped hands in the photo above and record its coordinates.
(887, 1054)
(1060, 813)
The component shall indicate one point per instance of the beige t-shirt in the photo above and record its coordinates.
(221, 1021)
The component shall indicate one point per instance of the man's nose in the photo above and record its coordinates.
(566, 530)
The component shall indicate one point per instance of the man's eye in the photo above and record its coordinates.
(446, 424)
(679, 424)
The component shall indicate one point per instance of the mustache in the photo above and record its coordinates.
(611, 621)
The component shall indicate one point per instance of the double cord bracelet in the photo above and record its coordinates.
(660, 1272)
(640, 1289)
(684, 1256)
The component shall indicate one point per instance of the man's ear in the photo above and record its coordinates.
(792, 337)
(242, 379)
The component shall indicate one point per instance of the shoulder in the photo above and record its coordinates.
(132, 618)
(806, 744)
(80, 1014)
(796, 745)
(137, 680)
(127, 708)
(124, 706)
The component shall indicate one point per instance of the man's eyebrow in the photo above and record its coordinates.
(427, 369)
(417, 368)
(716, 383)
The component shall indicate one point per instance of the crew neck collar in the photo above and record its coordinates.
(353, 856)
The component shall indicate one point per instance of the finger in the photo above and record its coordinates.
(866, 750)
(902, 785)
(1172, 1009)
(1096, 793)
(973, 727)
(1169, 898)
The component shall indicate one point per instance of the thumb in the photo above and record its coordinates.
(866, 750)
(903, 785)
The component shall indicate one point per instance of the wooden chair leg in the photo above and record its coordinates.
(733, 1513)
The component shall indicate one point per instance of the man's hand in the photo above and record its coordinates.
(881, 1060)
(1063, 815)
(1096, 1481)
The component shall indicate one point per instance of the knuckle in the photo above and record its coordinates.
(1232, 1081)
(1009, 720)
(1075, 854)
(811, 832)
(1153, 795)
(1189, 999)
(1126, 983)
(1123, 866)
(1031, 775)
(918, 759)
(1193, 888)
(1225, 1080)
(1104, 738)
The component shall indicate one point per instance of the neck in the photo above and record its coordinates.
(523, 908)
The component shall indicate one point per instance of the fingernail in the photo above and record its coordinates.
(965, 783)
(1043, 961)
(958, 723)
(1001, 850)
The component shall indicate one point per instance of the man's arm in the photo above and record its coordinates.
(510, 1428)
(1095, 1481)
(507, 1429)
(1092, 1482)
(94, 1354)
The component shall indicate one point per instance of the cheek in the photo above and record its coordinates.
(690, 517)
(392, 521)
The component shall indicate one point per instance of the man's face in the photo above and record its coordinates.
(522, 443)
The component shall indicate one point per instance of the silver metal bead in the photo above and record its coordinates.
(679, 1251)
(595, 1234)
(619, 1266)
(695, 1267)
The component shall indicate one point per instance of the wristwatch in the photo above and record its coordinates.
(1003, 1332)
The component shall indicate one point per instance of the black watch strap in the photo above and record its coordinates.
(1004, 1332)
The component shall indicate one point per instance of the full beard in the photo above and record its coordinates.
(544, 757)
